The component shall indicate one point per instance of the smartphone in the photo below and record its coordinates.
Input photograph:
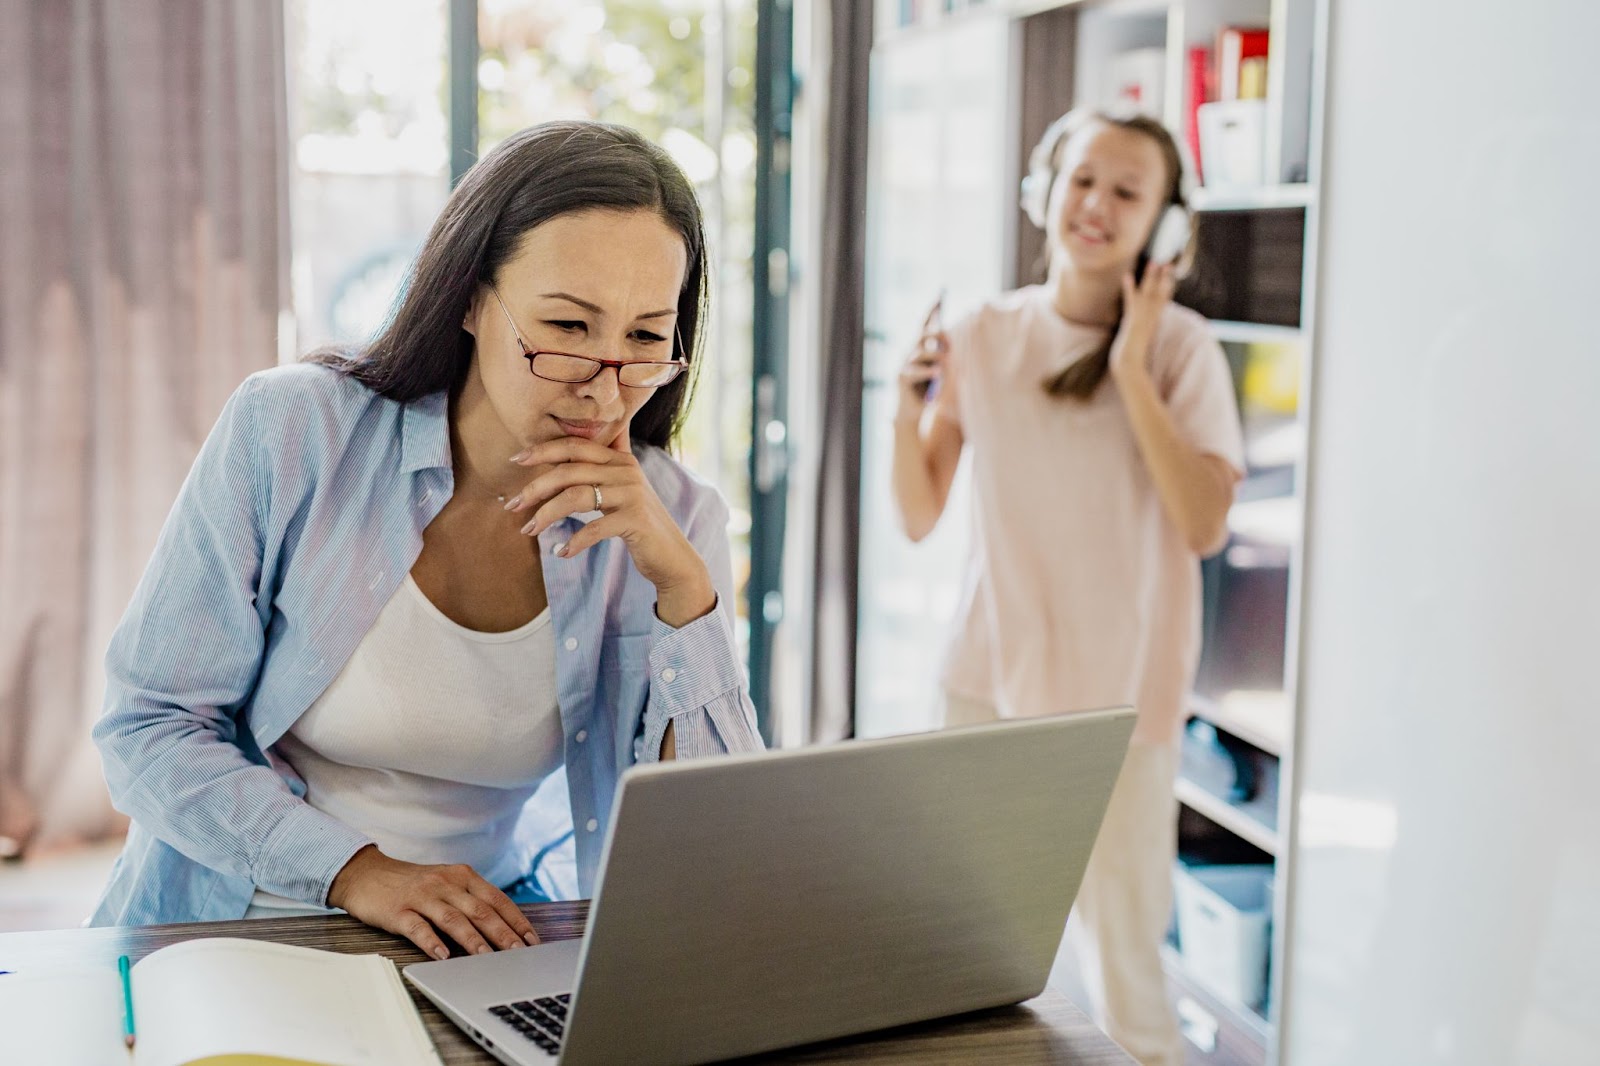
(933, 324)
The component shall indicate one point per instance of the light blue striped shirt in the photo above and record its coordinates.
(301, 517)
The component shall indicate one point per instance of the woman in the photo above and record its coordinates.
(1105, 446)
(401, 588)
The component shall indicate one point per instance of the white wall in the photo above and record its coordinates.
(1446, 886)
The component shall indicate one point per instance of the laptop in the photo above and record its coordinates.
(752, 902)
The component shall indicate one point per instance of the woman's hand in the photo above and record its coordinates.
(581, 475)
(1142, 304)
(419, 902)
(922, 371)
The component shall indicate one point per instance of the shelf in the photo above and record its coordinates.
(1202, 786)
(1267, 448)
(1233, 818)
(1265, 483)
(1255, 333)
(1268, 520)
(1258, 717)
(1252, 198)
(1240, 1034)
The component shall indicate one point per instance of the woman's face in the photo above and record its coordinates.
(1110, 185)
(601, 283)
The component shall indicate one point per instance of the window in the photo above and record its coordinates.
(369, 146)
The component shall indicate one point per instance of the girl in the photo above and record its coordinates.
(400, 588)
(1105, 447)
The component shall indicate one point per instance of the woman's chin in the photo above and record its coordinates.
(1095, 260)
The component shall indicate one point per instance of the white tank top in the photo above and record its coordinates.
(432, 737)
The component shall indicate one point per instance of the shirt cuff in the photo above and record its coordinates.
(304, 853)
(726, 727)
(693, 669)
(691, 666)
(723, 728)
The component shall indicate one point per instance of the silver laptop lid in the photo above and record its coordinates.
(756, 902)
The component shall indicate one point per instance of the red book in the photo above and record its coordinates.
(1235, 44)
(1197, 92)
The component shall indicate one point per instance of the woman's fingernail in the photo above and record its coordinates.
(523, 454)
(530, 938)
(561, 550)
(440, 953)
(513, 503)
(527, 530)
(484, 949)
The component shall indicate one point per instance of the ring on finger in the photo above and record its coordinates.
(599, 500)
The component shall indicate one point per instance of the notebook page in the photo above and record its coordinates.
(220, 998)
(62, 1018)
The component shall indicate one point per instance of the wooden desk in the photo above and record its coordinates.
(1049, 1029)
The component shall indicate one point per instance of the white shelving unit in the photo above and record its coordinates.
(1255, 332)
(1060, 55)
(1292, 194)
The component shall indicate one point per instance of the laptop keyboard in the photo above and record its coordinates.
(542, 1021)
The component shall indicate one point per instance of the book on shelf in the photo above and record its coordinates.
(1225, 139)
(1237, 45)
(1197, 90)
(1253, 78)
(216, 1001)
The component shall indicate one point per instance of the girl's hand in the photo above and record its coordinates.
(581, 475)
(1142, 304)
(420, 902)
(922, 371)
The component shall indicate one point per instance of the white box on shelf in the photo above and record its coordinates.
(1233, 143)
(1223, 916)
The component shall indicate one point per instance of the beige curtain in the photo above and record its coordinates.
(143, 265)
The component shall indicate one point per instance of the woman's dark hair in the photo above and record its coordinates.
(1082, 377)
(535, 175)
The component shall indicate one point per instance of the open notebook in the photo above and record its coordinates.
(218, 1002)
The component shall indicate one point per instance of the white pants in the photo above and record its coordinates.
(1120, 917)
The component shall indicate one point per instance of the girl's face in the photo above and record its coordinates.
(600, 283)
(1110, 185)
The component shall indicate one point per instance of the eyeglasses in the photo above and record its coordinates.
(575, 369)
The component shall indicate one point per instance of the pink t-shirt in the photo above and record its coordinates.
(1079, 592)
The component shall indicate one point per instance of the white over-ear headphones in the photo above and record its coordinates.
(1042, 165)
(1173, 229)
(1036, 194)
(1170, 236)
